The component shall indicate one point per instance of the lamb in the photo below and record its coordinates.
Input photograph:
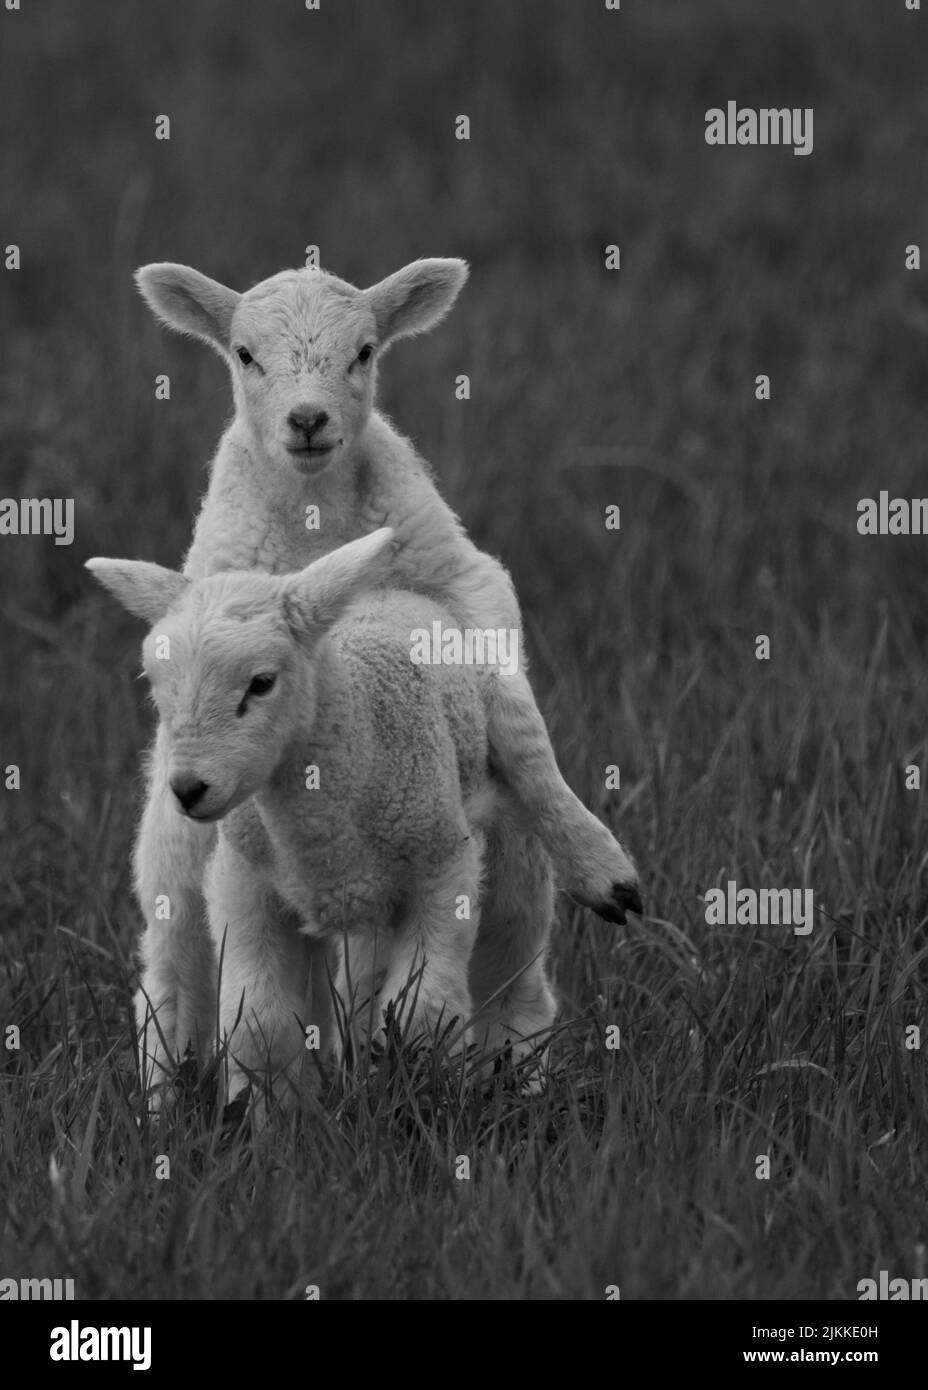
(306, 465)
(258, 679)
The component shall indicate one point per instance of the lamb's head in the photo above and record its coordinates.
(232, 660)
(303, 346)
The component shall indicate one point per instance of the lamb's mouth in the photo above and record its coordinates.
(313, 459)
(205, 817)
(312, 451)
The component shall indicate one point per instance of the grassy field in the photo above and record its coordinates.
(588, 387)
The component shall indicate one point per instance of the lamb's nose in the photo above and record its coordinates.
(306, 420)
(188, 790)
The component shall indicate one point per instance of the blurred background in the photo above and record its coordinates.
(634, 387)
(588, 387)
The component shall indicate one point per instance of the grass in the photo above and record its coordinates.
(637, 1167)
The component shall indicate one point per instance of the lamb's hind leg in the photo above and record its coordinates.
(513, 1001)
(589, 862)
(175, 1005)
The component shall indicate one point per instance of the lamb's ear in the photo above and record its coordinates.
(189, 302)
(146, 590)
(316, 597)
(416, 297)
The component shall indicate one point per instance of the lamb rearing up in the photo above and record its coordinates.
(308, 463)
(349, 781)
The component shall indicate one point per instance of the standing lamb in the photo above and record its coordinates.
(259, 679)
(306, 465)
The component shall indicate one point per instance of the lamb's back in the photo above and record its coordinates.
(428, 720)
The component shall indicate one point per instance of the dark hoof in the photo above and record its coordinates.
(624, 899)
(235, 1111)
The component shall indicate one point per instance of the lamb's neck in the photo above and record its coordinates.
(258, 514)
(305, 804)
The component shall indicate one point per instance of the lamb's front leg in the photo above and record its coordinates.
(427, 976)
(175, 1005)
(265, 972)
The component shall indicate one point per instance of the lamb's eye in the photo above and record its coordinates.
(366, 353)
(260, 685)
(244, 356)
